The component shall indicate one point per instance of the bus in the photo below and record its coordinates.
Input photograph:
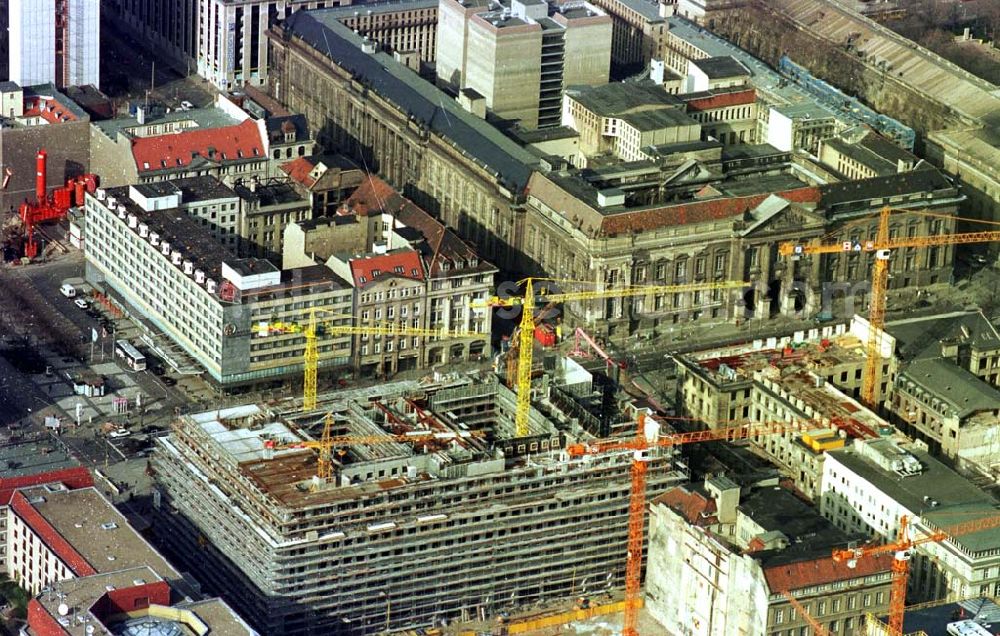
(133, 359)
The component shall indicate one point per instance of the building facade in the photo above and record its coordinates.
(871, 485)
(139, 249)
(332, 560)
(724, 562)
(54, 42)
(169, 28)
(418, 139)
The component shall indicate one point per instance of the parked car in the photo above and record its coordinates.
(67, 290)
(122, 432)
(81, 303)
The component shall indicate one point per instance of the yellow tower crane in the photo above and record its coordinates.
(527, 325)
(882, 247)
(313, 327)
(328, 441)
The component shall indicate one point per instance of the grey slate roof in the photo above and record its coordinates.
(961, 390)
(920, 338)
(417, 98)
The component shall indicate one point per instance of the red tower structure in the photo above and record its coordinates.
(47, 209)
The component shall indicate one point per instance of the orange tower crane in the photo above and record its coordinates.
(882, 246)
(644, 441)
(901, 549)
(818, 628)
(526, 328)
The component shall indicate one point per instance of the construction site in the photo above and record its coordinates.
(405, 505)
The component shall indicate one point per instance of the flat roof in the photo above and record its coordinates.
(809, 533)
(32, 457)
(720, 67)
(417, 98)
(190, 238)
(957, 496)
(616, 98)
(77, 515)
(658, 119)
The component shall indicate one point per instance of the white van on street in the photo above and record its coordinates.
(67, 290)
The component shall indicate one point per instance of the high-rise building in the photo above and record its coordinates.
(54, 42)
(519, 56)
(232, 47)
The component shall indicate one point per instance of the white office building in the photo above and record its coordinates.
(870, 485)
(54, 42)
(233, 48)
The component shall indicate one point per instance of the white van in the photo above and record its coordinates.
(67, 290)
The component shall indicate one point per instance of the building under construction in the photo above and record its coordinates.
(451, 517)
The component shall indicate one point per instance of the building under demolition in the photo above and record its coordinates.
(452, 517)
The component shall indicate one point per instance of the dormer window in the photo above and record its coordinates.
(398, 269)
(445, 266)
(362, 279)
(376, 273)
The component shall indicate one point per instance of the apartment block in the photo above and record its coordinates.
(724, 560)
(872, 484)
(232, 41)
(86, 569)
(221, 141)
(728, 115)
(454, 526)
(154, 257)
(53, 42)
(325, 180)
(946, 393)
(521, 56)
(407, 269)
(266, 208)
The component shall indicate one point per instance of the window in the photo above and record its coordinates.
(867, 602)
(779, 616)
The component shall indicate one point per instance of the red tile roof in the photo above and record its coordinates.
(78, 477)
(230, 143)
(374, 196)
(402, 263)
(722, 100)
(695, 507)
(820, 571)
(49, 536)
(697, 211)
(299, 171)
(52, 112)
